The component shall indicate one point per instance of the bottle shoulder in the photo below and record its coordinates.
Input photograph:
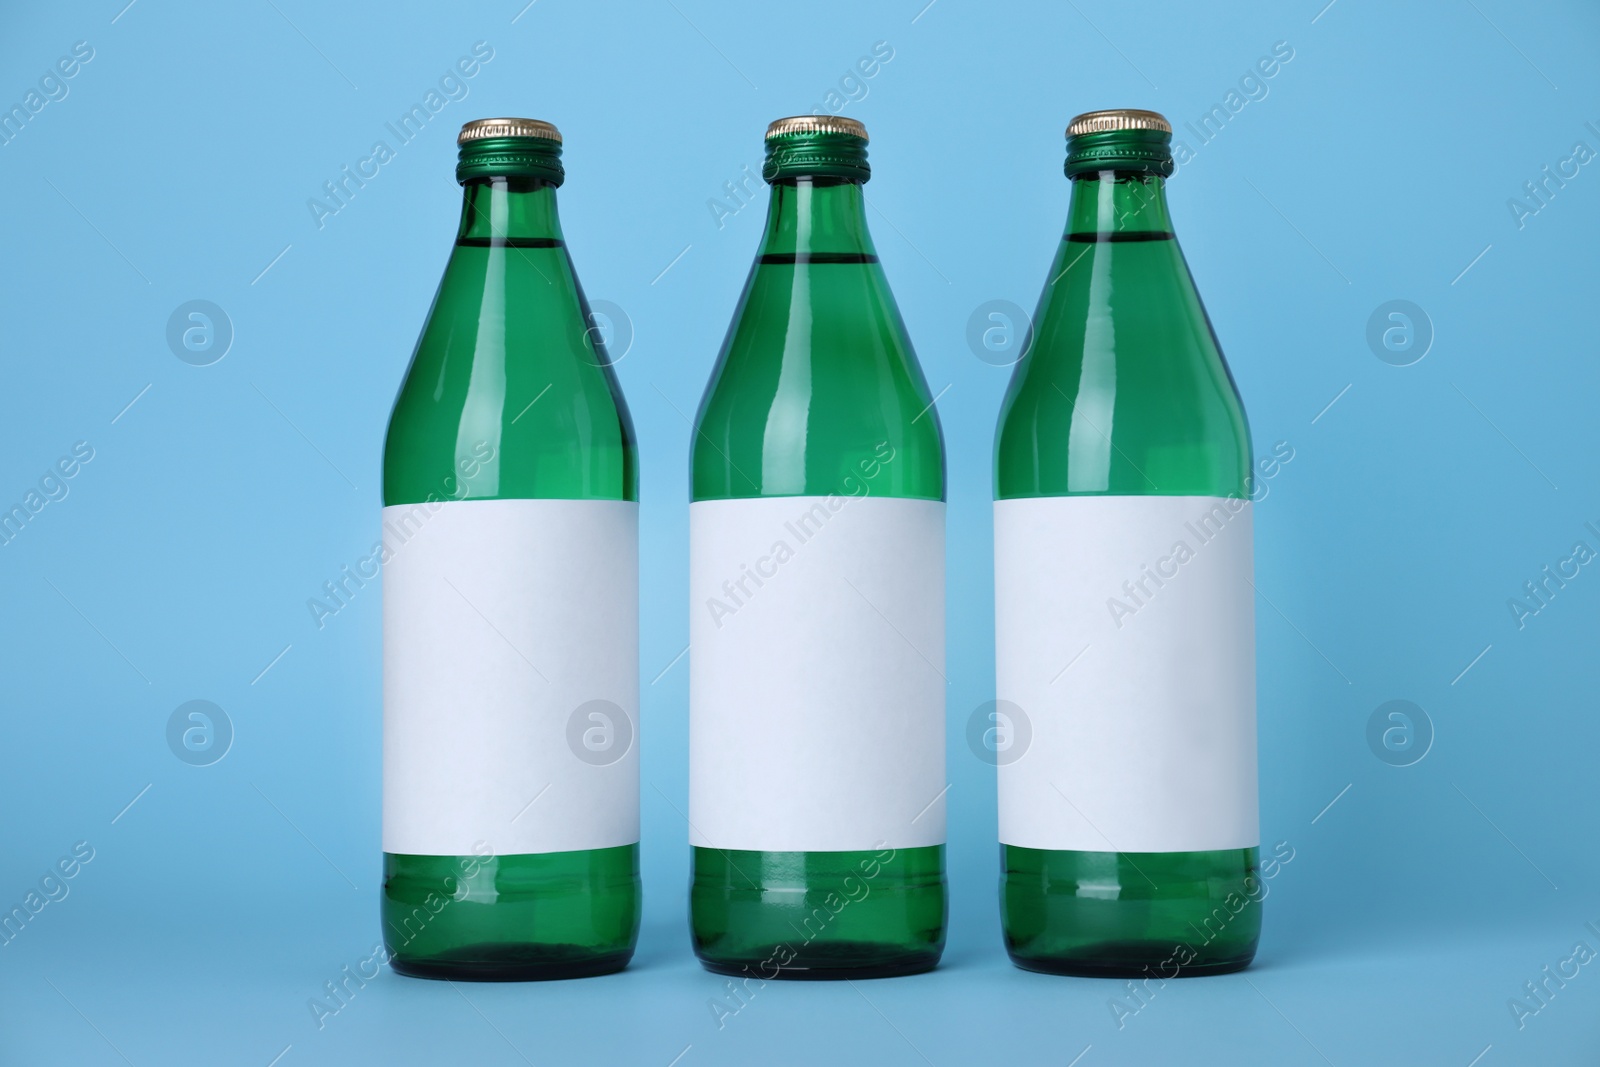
(1124, 389)
(816, 376)
(508, 383)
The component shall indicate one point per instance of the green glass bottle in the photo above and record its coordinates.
(510, 575)
(1125, 632)
(817, 602)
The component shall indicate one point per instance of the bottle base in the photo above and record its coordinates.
(1129, 959)
(512, 963)
(515, 918)
(818, 916)
(1141, 915)
(825, 963)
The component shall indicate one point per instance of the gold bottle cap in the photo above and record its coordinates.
(1128, 118)
(817, 124)
(481, 129)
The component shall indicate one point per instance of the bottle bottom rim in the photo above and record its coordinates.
(1128, 960)
(840, 962)
(512, 963)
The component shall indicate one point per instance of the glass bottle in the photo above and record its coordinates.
(510, 573)
(817, 602)
(1125, 659)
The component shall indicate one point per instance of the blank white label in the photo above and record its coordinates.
(1125, 639)
(816, 680)
(510, 676)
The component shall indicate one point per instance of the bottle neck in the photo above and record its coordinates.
(509, 210)
(1109, 203)
(816, 215)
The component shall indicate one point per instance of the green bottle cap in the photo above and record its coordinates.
(510, 148)
(816, 146)
(1126, 139)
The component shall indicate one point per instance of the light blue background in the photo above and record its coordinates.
(1378, 167)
